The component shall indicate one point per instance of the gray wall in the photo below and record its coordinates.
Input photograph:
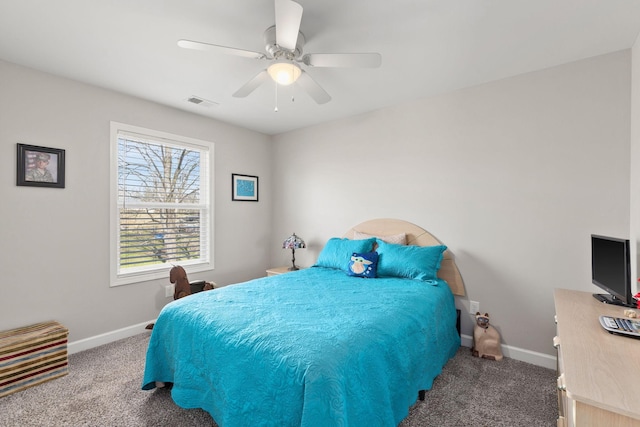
(635, 162)
(54, 243)
(505, 174)
(512, 175)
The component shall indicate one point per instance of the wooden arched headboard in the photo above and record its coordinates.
(415, 236)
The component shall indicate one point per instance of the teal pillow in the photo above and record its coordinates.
(363, 265)
(337, 252)
(411, 262)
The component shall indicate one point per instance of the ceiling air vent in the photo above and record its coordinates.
(201, 101)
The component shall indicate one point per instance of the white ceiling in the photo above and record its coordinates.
(427, 46)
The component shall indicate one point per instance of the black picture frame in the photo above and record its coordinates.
(29, 174)
(244, 188)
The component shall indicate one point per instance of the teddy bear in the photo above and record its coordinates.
(486, 339)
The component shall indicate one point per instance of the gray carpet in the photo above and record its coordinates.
(103, 389)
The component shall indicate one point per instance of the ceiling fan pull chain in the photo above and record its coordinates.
(293, 88)
(276, 109)
(293, 93)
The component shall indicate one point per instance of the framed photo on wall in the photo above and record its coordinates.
(40, 166)
(244, 188)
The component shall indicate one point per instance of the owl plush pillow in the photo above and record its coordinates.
(363, 265)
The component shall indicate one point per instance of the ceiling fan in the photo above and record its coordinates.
(284, 43)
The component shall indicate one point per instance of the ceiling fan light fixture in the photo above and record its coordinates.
(284, 72)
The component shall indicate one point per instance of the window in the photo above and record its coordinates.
(161, 210)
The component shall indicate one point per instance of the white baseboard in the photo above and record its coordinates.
(533, 357)
(106, 338)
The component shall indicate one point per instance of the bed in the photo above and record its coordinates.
(318, 346)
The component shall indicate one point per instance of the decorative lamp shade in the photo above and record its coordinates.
(293, 242)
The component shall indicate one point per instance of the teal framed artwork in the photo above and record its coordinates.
(244, 188)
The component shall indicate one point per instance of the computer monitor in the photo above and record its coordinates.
(611, 270)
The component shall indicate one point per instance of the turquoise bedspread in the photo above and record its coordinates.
(313, 347)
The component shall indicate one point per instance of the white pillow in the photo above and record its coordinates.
(398, 239)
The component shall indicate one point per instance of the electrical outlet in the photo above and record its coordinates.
(474, 307)
(168, 291)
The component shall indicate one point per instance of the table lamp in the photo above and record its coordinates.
(293, 242)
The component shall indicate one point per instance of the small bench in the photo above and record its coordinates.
(32, 355)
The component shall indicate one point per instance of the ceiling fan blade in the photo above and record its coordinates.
(189, 44)
(313, 89)
(252, 84)
(346, 60)
(288, 18)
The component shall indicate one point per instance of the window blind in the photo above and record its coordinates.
(163, 202)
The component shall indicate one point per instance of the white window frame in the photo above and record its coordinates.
(159, 271)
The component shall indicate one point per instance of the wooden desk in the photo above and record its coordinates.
(598, 373)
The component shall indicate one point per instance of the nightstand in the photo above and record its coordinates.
(278, 270)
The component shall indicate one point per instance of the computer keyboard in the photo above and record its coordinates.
(621, 325)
